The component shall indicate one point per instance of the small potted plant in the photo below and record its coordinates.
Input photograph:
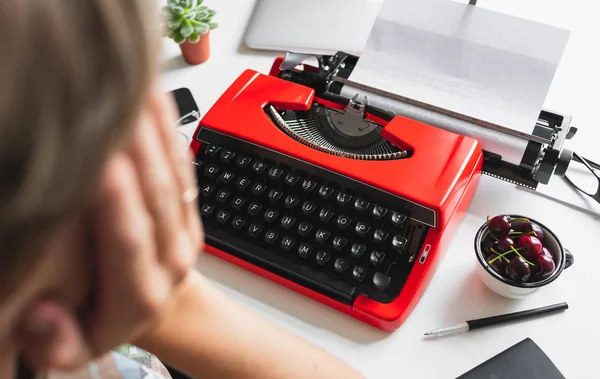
(189, 23)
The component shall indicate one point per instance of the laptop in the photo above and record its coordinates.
(313, 26)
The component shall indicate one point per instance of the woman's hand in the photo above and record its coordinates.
(147, 232)
(145, 235)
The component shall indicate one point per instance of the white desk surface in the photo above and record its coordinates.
(455, 294)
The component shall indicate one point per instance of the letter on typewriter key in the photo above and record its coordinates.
(271, 215)
(258, 189)
(207, 210)
(322, 235)
(399, 243)
(304, 228)
(271, 236)
(304, 250)
(223, 216)
(340, 242)
(362, 228)
(274, 196)
(226, 177)
(287, 243)
(238, 203)
(343, 222)
(207, 190)
(238, 223)
(254, 209)
(287, 222)
(325, 215)
(255, 229)
(222, 196)
(323, 257)
(291, 201)
(308, 208)
(243, 183)
(211, 171)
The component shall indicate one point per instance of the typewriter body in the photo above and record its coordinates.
(337, 199)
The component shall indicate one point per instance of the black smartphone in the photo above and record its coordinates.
(186, 105)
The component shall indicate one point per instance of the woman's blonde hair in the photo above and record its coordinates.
(73, 77)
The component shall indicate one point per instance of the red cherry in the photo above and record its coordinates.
(504, 244)
(525, 226)
(546, 251)
(518, 269)
(532, 247)
(499, 225)
(537, 231)
(547, 266)
(499, 265)
(522, 225)
(487, 245)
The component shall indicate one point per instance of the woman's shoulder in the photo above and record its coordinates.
(125, 362)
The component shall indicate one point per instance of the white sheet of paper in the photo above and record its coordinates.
(467, 59)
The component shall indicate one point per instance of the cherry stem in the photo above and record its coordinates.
(492, 234)
(499, 255)
(518, 218)
(531, 233)
(531, 264)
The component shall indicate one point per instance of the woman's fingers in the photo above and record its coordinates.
(129, 288)
(162, 196)
(180, 160)
(146, 235)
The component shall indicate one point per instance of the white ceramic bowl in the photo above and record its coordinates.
(509, 288)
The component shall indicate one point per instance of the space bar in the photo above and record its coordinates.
(279, 265)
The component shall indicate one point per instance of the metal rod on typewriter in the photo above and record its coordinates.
(508, 145)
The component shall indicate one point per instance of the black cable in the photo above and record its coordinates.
(578, 158)
(590, 166)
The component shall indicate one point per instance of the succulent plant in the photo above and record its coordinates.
(187, 19)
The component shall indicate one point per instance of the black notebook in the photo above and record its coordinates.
(525, 360)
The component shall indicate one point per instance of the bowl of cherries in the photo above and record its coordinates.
(517, 255)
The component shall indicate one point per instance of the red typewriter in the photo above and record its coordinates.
(331, 197)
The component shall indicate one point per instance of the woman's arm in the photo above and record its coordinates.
(207, 335)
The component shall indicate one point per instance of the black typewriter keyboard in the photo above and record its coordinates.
(309, 225)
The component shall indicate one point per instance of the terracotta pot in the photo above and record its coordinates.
(196, 53)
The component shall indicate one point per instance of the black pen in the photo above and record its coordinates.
(496, 320)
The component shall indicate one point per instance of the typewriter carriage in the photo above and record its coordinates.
(539, 162)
